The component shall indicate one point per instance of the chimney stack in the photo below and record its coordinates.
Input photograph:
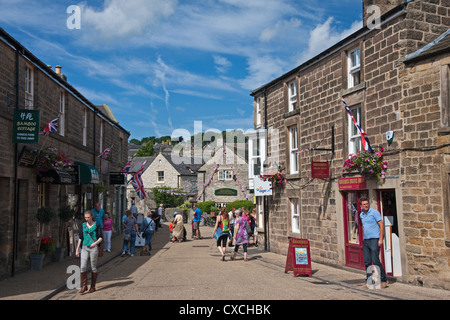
(383, 5)
(58, 72)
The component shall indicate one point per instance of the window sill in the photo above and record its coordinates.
(445, 131)
(356, 88)
(291, 113)
(291, 176)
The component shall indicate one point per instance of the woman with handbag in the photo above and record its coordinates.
(222, 231)
(240, 234)
(148, 227)
(129, 236)
(90, 238)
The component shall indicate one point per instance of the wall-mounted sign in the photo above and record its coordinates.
(320, 169)
(262, 188)
(117, 178)
(298, 258)
(26, 126)
(352, 183)
(225, 192)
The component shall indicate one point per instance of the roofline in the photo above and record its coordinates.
(16, 45)
(388, 16)
(416, 55)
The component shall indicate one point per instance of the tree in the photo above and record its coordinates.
(146, 150)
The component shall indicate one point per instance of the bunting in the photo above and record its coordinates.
(364, 138)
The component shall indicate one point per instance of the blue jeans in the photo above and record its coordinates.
(148, 238)
(132, 244)
(371, 253)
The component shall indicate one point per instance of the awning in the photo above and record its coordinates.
(54, 176)
(88, 173)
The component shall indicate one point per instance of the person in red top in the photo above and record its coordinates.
(107, 231)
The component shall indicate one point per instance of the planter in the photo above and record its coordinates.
(37, 261)
(59, 254)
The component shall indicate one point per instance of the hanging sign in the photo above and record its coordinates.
(298, 257)
(262, 188)
(320, 169)
(26, 126)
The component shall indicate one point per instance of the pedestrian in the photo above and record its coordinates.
(231, 219)
(134, 210)
(99, 214)
(240, 235)
(129, 237)
(178, 230)
(147, 229)
(90, 238)
(108, 229)
(373, 231)
(171, 231)
(160, 213)
(196, 221)
(253, 226)
(222, 225)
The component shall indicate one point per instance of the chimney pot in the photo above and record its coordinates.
(58, 69)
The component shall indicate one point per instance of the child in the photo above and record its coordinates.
(171, 229)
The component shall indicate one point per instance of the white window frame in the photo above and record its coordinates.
(85, 116)
(258, 112)
(257, 137)
(158, 178)
(29, 87)
(292, 95)
(293, 149)
(62, 113)
(295, 215)
(354, 67)
(354, 137)
(225, 175)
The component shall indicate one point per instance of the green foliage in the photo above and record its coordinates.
(45, 214)
(206, 206)
(146, 150)
(169, 200)
(238, 204)
(66, 213)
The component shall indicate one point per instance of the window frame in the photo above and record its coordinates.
(294, 208)
(85, 122)
(227, 175)
(258, 112)
(351, 128)
(62, 113)
(292, 105)
(294, 166)
(352, 70)
(158, 180)
(29, 87)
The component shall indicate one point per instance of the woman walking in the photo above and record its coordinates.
(222, 223)
(90, 238)
(147, 229)
(178, 230)
(240, 235)
(131, 230)
(107, 231)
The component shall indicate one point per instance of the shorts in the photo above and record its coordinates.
(196, 225)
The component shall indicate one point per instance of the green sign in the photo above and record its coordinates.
(26, 126)
(225, 192)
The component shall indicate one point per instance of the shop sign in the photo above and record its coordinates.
(262, 188)
(320, 169)
(298, 257)
(352, 183)
(117, 178)
(225, 192)
(26, 126)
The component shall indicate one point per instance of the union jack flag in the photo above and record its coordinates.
(127, 167)
(104, 153)
(138, 186)
(364, 138)
(50, 127)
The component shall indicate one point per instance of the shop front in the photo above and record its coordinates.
(384, 200)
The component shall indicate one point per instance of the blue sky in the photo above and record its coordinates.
(162, 64)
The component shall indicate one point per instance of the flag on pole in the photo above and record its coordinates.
(364, 138)
(104, 153)
(127, 167)
(50, 127)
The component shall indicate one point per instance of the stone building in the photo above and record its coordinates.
(394, 81)
(31, 88)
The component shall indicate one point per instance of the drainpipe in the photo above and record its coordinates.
(266, 213)
(16, 180)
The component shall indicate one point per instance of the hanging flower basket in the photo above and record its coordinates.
(366, 162)
(50, 159)
(276, 177)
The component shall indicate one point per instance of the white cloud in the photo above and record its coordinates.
(222, 63)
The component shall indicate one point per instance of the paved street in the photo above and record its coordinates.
(193, 270)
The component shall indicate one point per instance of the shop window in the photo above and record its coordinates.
(295, 215)
(354, 67)
(354, 137)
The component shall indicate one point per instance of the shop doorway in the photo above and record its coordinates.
(353, 229)
(387, 205)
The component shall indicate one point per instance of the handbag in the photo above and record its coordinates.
(247, 228)
(218, 233)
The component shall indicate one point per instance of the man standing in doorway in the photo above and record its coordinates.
(197, 219)
(373, 231)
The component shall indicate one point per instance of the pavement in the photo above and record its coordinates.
(51, 279)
